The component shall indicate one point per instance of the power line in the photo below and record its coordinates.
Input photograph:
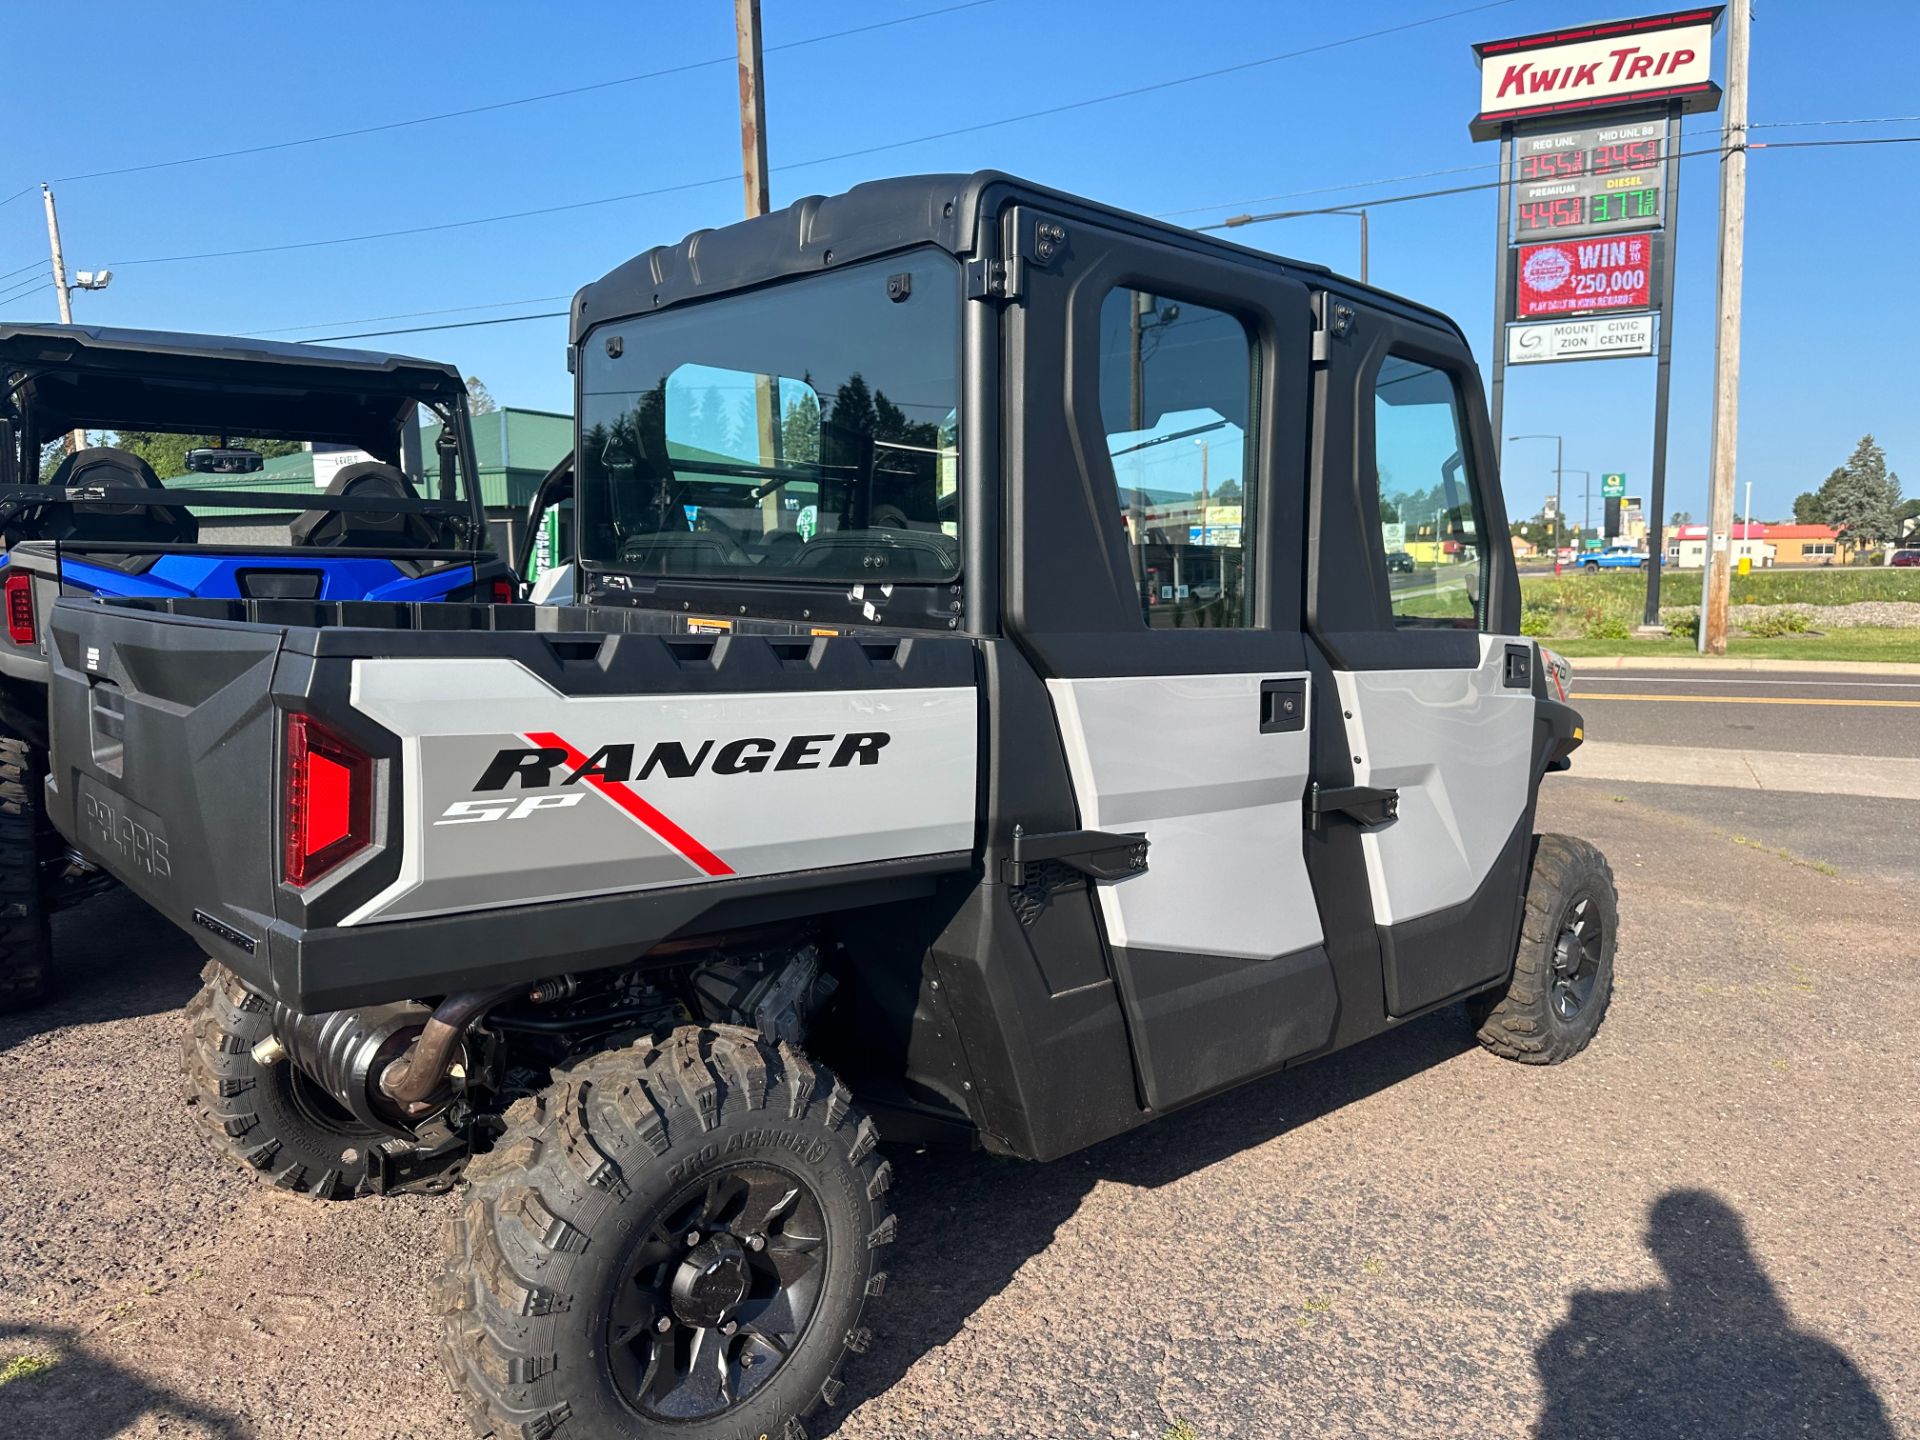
(1251, 220)
(1495, 165)
(523, 100)
(1238, 221)
(33, 289)
(30, 265)
(407, 315)
(424, 329)
(732, 176)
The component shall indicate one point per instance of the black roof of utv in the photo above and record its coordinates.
(91, 377)
(883, 216)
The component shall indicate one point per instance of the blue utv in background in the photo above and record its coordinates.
(350, 511)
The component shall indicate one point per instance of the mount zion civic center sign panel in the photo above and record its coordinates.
(1656, 59)
(1579, 339)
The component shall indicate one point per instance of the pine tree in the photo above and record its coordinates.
(1862, 496)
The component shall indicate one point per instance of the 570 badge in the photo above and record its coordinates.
(112, 829)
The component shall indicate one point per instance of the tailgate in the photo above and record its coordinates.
(539, 799)
(162, 762)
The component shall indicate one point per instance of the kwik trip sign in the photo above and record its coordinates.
(1649, 61)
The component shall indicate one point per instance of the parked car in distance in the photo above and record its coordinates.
(1907, 559)
(1615, 557)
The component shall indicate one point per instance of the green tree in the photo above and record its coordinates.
(1861, 497)
(1680, 517)
(1809, 508)
(800, 430)
(167, 453)
(480, 400)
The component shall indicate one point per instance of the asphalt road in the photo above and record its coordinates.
(1824, 713)
(1706, 1226)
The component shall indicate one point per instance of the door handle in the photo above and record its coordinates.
(1283, 706)
(1518, 671)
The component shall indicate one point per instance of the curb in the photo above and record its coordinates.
(1722, 665)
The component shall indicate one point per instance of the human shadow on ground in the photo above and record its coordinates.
(81, 1396)
(1711, 1354)
(113, 958)
(968, 1222)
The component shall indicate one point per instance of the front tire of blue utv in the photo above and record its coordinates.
(26, 940)
(267, 1117)
(1562, 981)
(673, 1239)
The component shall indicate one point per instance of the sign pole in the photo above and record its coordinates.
(1663, 380)
(1497, 385)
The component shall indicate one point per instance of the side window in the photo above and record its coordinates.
(1431, 529)
(1176, 387)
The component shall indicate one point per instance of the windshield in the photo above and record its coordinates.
(805, 432)
(396, 484)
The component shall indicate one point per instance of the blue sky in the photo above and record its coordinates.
(1831, 308)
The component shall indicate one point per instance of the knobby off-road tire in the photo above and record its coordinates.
(1563, 974)
(661, 1216)
(26, 941)
(270, 1118)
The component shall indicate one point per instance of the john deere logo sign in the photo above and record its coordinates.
(1613, 487)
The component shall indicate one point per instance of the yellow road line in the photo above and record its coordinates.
(1748, 700)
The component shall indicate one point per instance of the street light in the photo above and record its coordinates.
(1559, 454)
(1361, 215)
(1586, 508)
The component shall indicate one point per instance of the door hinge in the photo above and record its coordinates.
(1336, 324)
(996, 280)
(1367, 807)
(1097, 854)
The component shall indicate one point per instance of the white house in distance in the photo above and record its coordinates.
(1687, 546)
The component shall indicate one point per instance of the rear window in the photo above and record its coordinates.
(806, 432)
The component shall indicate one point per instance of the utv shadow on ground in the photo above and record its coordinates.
(113, 960)
(81, 1396)
(1710, 1355)
(968, 1222)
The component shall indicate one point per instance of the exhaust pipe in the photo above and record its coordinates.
(413, 1082)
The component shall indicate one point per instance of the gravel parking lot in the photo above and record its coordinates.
(1709, 1225)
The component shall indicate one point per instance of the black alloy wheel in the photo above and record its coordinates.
(1576, 958)
(717, 1294)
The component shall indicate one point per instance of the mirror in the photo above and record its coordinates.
(224, 460)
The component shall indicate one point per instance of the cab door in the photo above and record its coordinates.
(1156, 415)
(1413, 599)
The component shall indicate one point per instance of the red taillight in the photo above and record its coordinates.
(329, 800)
(19, 589)
(503, 590)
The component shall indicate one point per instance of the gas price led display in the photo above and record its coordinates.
(1588, 182)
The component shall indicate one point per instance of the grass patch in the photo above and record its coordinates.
(1820, 866)
(25, 1367)
(1863, 642)
(1608, 605)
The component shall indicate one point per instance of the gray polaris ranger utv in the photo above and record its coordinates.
(986, 712)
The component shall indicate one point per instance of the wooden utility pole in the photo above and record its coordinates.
(76, 439)
(1726, 351)
(753, 177)
(753, 107)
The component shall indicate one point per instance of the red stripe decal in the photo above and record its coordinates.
(629, 800)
